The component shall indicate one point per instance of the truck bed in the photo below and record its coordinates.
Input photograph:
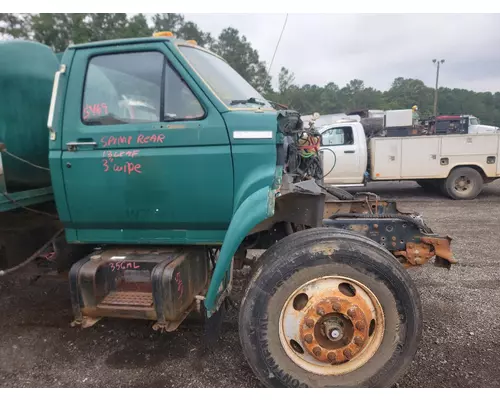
(433, 156)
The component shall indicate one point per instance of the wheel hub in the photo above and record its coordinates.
(334, 329)
(462, 184)
(331, 325)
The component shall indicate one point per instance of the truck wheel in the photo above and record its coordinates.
(329, 308)
(463, 184)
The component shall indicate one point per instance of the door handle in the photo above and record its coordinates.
(349, 151)
(72, 146)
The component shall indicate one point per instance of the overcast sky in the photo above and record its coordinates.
(322, 48)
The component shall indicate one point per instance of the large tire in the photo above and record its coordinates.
(327, 253)
(463, 183)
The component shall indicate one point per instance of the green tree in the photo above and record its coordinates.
(59, 30)
(330, 99)
(240, 54)
(53, 29)
(138, 27)
(181, 28)
(405, 93)
(14, 25)
(285, 80)
(168, 22)
(107, 26)
(191, 31)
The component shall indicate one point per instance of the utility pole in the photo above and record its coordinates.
(437, 63)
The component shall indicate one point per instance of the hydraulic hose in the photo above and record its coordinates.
(33, 256)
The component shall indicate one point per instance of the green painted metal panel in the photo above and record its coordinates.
(121, 42)
(26, 75)
(254, 159)
(25, 198)
(149, 235)
(56, 146)
(185, 184)
(255, 209)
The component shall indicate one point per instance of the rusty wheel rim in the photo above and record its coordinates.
(331, 325)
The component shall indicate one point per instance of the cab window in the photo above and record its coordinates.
(180, 103)
(338, 136)
(123, 89)
(134, 88)
(226, 83)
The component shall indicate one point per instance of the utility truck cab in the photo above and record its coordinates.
(345, 154)
(458, 124)
(475, 126)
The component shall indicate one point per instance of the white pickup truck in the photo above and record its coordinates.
(457, 164)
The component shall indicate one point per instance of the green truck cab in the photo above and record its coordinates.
(200, 165)
(167, 168)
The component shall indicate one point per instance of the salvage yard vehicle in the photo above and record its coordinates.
(468, 124)
(158, 215)
(457, 164)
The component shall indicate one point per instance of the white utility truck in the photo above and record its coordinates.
(457, 164)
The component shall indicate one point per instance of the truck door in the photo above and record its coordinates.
(146, 156)
(473, 124)
(341, 156)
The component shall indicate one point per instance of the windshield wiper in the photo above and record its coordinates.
(251, 100)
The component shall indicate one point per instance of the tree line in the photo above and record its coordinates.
(59, 30)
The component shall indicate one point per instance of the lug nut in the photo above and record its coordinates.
(320, 311)
(351, 312)
(309, 322)
(360, 326)
(317, 351)
(332, 357)
(348, 354)
(336, 306)
(358, 341)
(308, 338)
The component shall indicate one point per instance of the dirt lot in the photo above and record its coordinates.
(460, 346)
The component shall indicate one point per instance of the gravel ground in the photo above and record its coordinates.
(460, 346)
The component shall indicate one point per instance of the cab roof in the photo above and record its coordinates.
(118, 42)
(121, 42)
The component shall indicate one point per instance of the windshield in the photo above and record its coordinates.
(227, 84)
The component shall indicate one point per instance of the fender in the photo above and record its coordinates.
(254, 209)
